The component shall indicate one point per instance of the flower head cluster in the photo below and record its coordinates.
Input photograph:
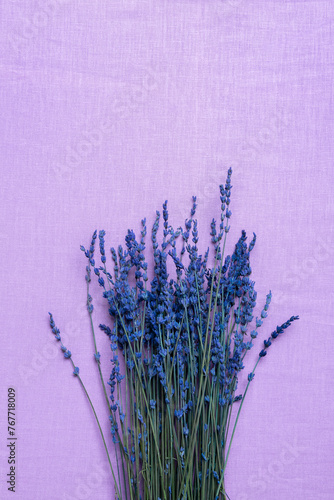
(275, 334)
(67, 353)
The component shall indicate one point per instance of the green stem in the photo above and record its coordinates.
(234, 428)
(99, 426)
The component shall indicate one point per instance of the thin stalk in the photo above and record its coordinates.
(235, 426)
(99, 426)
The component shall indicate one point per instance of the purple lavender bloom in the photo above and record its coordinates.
(267, 343)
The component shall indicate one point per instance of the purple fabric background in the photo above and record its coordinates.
(111, 107)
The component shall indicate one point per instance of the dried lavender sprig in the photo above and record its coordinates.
(250, 377)
(68, 355)
(253, 335)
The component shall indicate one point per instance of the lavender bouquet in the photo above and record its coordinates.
(178, 347)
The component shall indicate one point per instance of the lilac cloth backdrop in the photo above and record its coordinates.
(111, 107)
